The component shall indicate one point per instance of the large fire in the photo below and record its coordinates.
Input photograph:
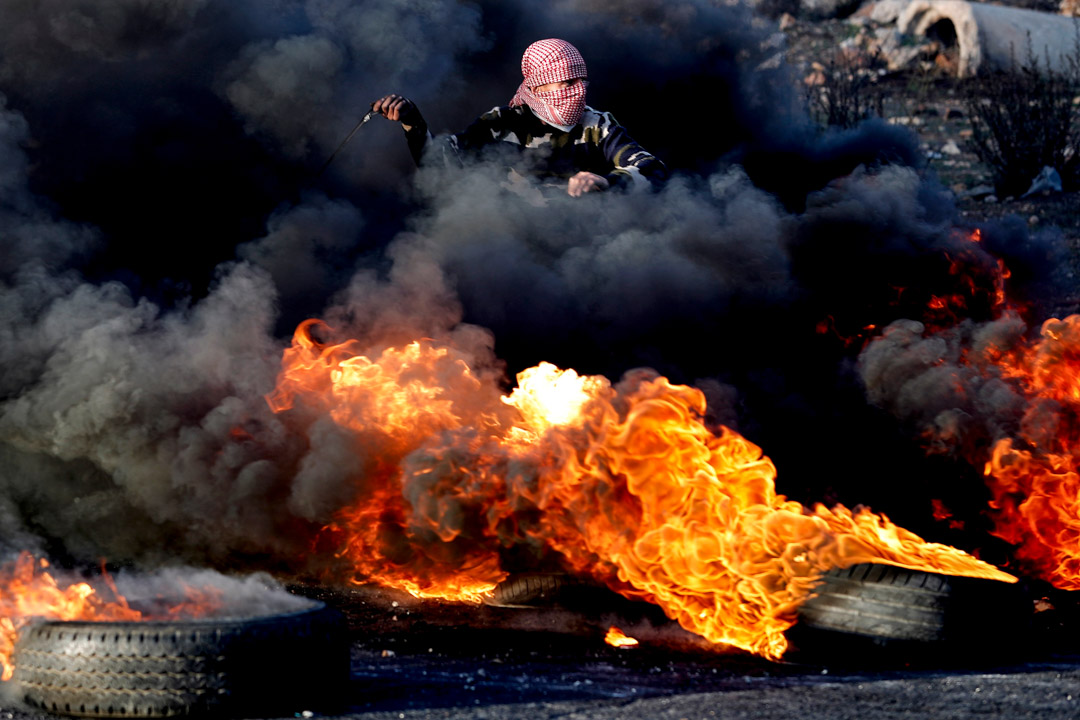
(1034, 477)
(1031, 466)
(626, 483)
(29, 591)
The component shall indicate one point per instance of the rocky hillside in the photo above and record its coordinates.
(912, 81)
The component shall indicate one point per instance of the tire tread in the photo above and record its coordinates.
(887, 602)
(164, 669)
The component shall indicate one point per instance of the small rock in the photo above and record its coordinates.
(773, 63)
(902, 57)
(826, 9)
(884, 12)
(887, 40)
(978, 191)
(1033, 220)
(950, 148)
(990, 199)
(787, 21)
(776, 41)
(1046, 182)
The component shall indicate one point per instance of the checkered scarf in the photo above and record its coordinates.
(548, 61)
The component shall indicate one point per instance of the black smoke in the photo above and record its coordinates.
(164, 228)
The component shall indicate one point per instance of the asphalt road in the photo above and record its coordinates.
(1038, 691)
(429, 661)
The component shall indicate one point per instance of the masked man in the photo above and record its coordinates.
(552, 131)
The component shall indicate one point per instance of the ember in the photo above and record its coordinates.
(625, 482)
(617, 638)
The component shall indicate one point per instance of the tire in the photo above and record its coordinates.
(531, 590)
(274, 664)
(883, 605)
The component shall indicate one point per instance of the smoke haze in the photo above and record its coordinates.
(163, 232)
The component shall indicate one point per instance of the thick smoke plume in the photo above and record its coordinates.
(163, 231)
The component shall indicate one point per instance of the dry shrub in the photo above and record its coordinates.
(1025, 119)
(846, 92)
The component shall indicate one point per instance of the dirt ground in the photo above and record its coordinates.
(928, 100)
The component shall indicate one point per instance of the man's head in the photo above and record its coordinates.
(553, 84)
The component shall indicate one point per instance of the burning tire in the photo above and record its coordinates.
(530, 590)
(883, 605)
(271, 664)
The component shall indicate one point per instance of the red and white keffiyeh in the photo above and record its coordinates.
(548, 61)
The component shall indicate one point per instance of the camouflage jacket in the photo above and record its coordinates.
(596, 144)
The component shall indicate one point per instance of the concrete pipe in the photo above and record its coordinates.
(987, 37)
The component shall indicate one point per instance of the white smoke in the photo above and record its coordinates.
(243, 596)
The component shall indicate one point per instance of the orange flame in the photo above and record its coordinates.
(1035, 477)
(625, 483)
(28, 591)
(980, 285)
(1032, 465)
(617, 638)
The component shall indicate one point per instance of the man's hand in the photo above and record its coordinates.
(398, 108)
(586, 182)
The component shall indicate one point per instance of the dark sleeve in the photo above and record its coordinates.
(485, 130)
(418, 137)
(632, 164)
